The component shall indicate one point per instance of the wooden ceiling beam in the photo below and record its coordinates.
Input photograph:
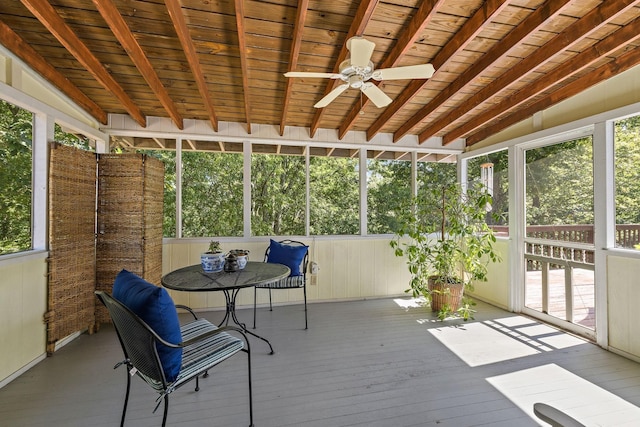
(618, 65)
(301, 15)
(471, 28)
(180, 26)
(423, 17)
(25, 52)
(359, 23)
(54, 23)
(590, 22)
(242, 47)
(625, 35)
(530, 24)
(122, 32)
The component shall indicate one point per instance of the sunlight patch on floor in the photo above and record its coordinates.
(577, 397)
(478, 344)
(408, 303)
(492, 341)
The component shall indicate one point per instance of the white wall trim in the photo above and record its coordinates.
(22, 370)
(571, 130)
(604, 219)
(121, 125)
(364, 221)
(16, 97)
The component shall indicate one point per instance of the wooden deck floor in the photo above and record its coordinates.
(583, 295)
(364, 363)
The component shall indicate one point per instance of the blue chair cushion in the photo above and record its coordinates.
(155, 307)
(289, 255)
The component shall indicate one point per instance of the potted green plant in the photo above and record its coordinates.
(447, 244)
(213, 259)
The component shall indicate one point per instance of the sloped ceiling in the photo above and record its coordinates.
(497, 62)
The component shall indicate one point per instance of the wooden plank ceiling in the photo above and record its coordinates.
(497, 62)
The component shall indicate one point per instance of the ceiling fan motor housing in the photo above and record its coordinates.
(353, 75)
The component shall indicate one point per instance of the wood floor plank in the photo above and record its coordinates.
(360, 363)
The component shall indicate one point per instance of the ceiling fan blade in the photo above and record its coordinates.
(361, 51)
(312, 75)
(376, 95)
(422, 71)
(331, 96)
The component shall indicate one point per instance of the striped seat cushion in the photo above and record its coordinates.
(206, 353)
(287, 282)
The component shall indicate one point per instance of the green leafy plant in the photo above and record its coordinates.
(446, 241)
(214, 247)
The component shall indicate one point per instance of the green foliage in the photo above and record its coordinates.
(559, 183)
(559, 189)
(334, 196)
(214, 247)
(211, 194)
(15, 178)
(169, 205)
(500, 195)
(388, 188)
(71, 140)
(278, 192)
(430, 175)
(444, 235)
(627, 158)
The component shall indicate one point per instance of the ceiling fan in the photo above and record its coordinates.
(358, 69)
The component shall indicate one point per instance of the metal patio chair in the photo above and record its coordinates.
(295, 255)
(204, 345)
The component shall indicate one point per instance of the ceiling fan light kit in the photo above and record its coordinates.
(358, 69)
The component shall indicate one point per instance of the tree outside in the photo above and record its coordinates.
(334, 196)
(16, 126)
(559, 186)
(388, 188)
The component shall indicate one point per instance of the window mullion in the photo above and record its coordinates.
(43, 132)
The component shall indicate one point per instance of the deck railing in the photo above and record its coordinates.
(627, 236)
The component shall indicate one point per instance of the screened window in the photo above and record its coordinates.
(559, 254)
(491, 171)
(388, 189)
(72, 139)
(16, 127)
(278, 189)
(169, 205)
(435, 175)
(559, 188)
(334, 195)
(211, 194)
(627, 182)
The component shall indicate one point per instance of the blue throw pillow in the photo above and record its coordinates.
(289, 255)
(155, 307)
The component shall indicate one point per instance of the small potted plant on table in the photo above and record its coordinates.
(448, 245)
(213, 259)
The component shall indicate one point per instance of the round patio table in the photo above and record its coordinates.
(194, 279)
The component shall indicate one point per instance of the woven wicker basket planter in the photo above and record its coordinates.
(445, 294)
